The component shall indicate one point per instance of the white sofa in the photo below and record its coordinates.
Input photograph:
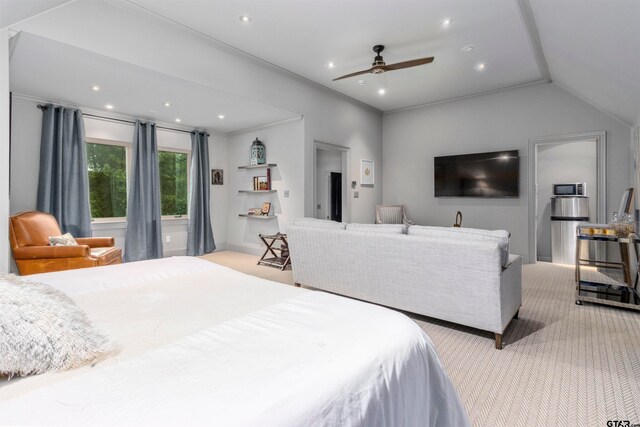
(463, 276)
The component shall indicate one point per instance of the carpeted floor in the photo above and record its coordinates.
(562, 364)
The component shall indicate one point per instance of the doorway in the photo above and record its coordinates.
(335, 196)
(558, 160)
(330, 168)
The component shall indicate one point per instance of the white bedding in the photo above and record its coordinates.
(205, 345)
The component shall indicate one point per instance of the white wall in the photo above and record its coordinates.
(25, 158)
(498, 121)
(284, 147)
(327, 161)
(563, 163)
(4, 150)
(138, 37)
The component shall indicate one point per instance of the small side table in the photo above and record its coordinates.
(281, 260)
(618, 295)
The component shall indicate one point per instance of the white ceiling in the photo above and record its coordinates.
(304, 36)
(593, 50)
(51, 70)
(13, 11)
(592, 47)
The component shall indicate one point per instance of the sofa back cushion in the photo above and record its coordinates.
(501, 237)
(378, 228)
(319, 223)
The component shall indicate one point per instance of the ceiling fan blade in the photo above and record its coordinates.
(357, 73)
(407, 64)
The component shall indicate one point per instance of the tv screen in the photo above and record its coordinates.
(493, 174)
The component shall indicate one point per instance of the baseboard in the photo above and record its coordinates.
(544, 258)
(174, 252)
(251, 250)
(221, 246)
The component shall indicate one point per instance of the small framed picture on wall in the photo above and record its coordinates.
(367, 176)
(217, 177)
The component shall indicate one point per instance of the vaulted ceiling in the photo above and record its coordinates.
(589, 47)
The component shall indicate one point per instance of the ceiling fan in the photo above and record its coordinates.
(379, 66)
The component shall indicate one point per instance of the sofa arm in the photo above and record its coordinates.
(96, 242)
(39, 252)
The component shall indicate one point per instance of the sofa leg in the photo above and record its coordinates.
(517, 314)
(499, 341)
(297, 285)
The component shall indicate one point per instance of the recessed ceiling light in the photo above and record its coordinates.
(221, 116)
(381, 91)
(178, 120)
(467, 48)
(481, 66)
(362, 82)
(95, 88)
(245, 18)
(109, 107)
(167, 104)
(446, 23)
(331, 65)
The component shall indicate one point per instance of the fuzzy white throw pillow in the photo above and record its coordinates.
(42, 329)
(64, 240)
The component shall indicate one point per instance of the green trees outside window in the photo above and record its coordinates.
(173, 183)
(107, 165)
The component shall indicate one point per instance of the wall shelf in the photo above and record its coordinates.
(262, 217)
(256, 191)
(266, 165)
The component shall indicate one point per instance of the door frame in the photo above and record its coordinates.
(601, 173)
(344, 156)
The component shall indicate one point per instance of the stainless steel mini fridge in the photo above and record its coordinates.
(566, 214)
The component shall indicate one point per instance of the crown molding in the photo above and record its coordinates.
(267, 125)
(526, 13)
(460, 98)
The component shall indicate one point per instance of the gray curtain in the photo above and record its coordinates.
(63, 183)
(200, 235)
(143, 238)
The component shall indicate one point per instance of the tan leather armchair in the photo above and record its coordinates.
(29, 234)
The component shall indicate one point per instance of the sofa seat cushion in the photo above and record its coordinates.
(501, 237)
(319, 223)
(378, 228)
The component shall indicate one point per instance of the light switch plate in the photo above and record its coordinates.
(353, 184)
(286, 193)
(356, 194)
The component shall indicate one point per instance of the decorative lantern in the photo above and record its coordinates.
(258, 153)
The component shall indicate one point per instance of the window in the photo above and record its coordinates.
(108, 173)
(107, 166)
(173, 183)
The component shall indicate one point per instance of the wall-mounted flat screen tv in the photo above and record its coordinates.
(493, 174)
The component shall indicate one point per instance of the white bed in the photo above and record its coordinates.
(205, 345)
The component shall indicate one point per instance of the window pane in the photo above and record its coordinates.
(107, 165)
(173, 183)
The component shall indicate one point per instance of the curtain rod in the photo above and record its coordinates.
(44, 107)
